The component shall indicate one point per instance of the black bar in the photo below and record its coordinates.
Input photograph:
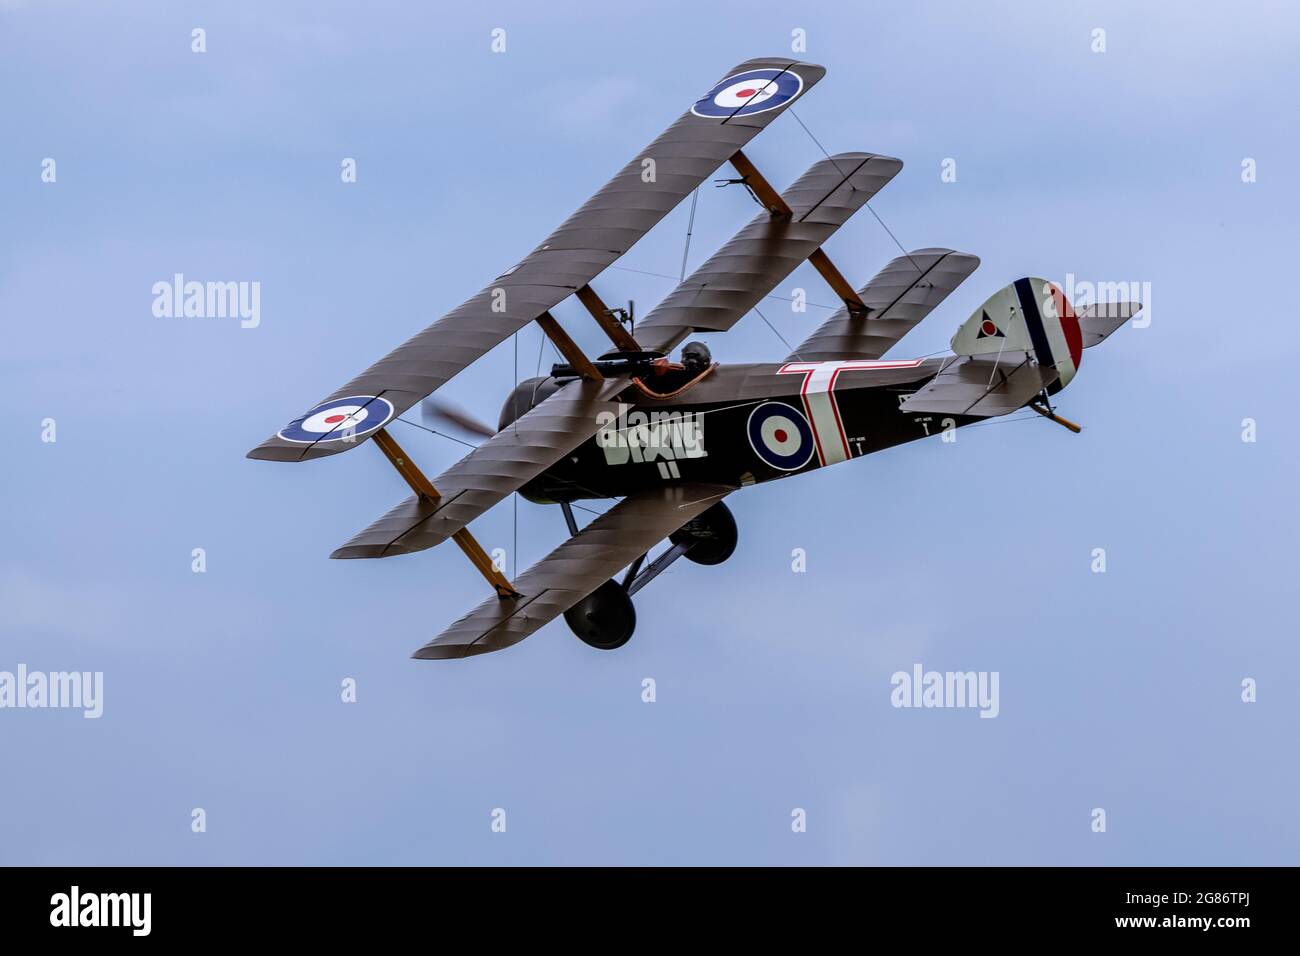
(979, 905)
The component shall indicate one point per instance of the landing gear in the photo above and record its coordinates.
(606, 617)
(711, 537)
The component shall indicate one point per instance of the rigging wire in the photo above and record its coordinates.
(889, 231)
(819, 143)
(778, 334)
(434, 431)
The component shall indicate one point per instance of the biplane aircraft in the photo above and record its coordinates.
(672, 439)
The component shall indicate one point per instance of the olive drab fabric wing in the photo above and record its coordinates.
(576, 568)
(720, 122)
(763, 254)
(500, 466)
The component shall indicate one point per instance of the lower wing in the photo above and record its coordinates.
(575, 569)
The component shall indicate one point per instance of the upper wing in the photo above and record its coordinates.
(985, 386)
(899, 297)
(575, 569)
(737, 277)
(629, 206)
(501, 465)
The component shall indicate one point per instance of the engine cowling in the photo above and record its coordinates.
(526, 396)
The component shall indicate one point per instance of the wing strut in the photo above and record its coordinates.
(772, 201)
(839, 285)
(638, 578)
(767, 197)
(604, 316)
(423, 487)
(569, 348)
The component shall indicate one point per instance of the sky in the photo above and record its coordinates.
(1119, 691)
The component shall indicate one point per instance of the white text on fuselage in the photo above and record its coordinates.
(641, 436)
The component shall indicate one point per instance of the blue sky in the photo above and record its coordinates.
(222, 690)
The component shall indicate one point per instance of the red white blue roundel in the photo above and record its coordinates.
(780, 436)
(753, 91)
(339, 418)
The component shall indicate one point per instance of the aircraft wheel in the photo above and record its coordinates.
(712, 536)
(605, 618)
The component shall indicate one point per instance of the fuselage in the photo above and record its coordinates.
(745, 424)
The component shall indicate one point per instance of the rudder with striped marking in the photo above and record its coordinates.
(1029, 315)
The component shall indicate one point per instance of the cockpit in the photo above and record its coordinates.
(664, 379)
(656, 376)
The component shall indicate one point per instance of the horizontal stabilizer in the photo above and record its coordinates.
(897, 299)
(500, 466)
(720, 292)
(1099, 320)
(575, 569)
(982, 386)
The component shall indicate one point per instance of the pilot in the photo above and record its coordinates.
(696, 358)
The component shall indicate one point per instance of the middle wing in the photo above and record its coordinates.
(575, 569)
(737, 277)
(491, 472)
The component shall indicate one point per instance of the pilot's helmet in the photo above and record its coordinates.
(696, 356)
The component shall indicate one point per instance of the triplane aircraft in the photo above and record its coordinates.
(672, 439)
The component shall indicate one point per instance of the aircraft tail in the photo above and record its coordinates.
(1030, 315)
